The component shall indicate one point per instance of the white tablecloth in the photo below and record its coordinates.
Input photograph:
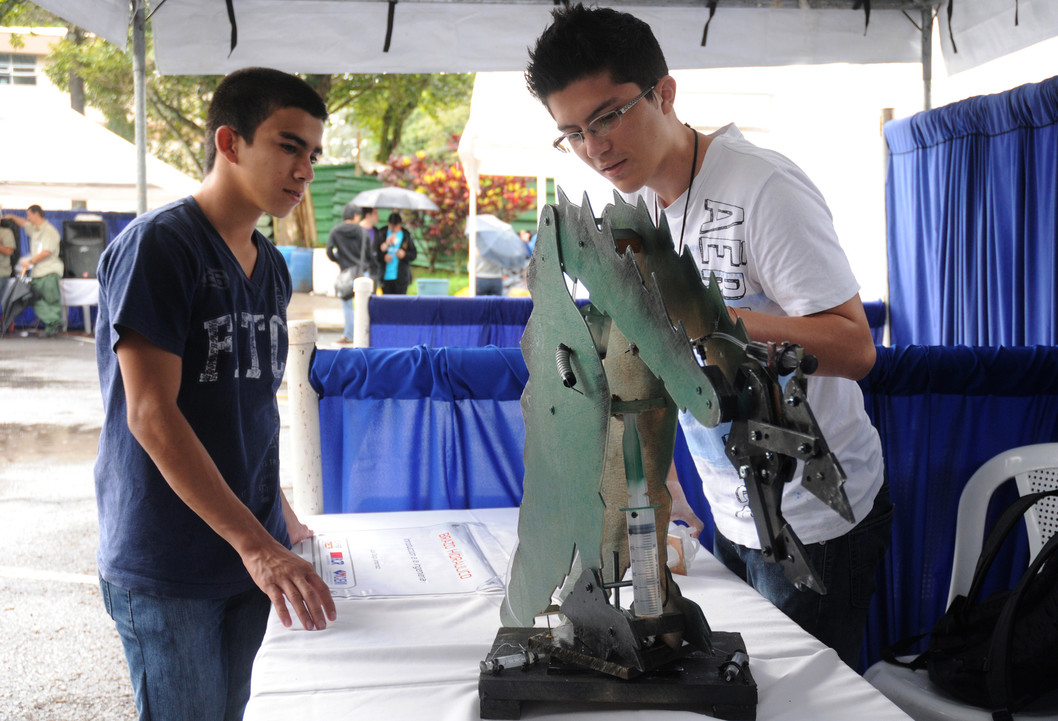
(417, 657)
(83, 292)
(80, 291)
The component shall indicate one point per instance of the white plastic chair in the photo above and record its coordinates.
(1034, 468)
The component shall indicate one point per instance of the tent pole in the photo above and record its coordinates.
(139, 63)
(472, 248)
(927, 58)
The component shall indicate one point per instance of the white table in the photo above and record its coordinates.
(83, 292)
(417, 657)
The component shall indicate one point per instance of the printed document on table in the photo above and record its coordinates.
(431, 560)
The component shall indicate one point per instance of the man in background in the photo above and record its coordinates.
(349, 246)
(47, 267)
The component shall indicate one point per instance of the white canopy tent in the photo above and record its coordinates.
(371, 36)
(55, 157)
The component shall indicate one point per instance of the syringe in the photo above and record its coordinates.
(522, 659)
(642, 532)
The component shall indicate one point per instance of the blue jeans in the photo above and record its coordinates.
(189, 659)
(347, 312)
(847, 565)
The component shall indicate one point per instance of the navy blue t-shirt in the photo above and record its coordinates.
(171, 278)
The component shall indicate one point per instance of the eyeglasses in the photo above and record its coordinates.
(601, 126)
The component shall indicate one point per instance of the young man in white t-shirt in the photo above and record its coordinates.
(754, 219)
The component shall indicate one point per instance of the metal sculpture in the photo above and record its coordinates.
(653, 338)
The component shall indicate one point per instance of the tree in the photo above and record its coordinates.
(383, 104)
(17, 12)
(26, 14)
(444, 182)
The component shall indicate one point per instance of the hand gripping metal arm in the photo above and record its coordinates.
(637, 348)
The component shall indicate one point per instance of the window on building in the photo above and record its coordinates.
(18, 69)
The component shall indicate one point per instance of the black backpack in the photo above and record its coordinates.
(1002, 652)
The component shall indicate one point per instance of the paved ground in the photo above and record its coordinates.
(63, 659)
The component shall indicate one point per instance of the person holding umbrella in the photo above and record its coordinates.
(349, 246)
(47, 267)
(396, 252)
(488, 275)
(497, 250)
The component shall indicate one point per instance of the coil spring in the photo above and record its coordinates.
(562, 361)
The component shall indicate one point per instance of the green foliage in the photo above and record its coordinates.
(17, 13)
(383, 107)
(383, 104)
(176, 104)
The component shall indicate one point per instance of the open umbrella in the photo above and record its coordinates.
(17, 296)
(498, 242)
(394, 198)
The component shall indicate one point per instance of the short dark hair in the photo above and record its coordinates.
(582, 41)
(394, 219)
(36, 209)
(246, 98)
(351, 210)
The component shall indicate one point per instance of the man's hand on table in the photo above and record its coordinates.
(285, 577)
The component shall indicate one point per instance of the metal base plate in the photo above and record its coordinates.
(692, 682)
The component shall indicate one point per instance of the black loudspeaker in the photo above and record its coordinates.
(82, 244)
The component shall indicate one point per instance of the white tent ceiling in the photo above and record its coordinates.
(52, 156)
(326, 36)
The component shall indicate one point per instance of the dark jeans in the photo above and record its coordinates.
(489, 286)
(394, 287)
(847, 565)
(189, 659)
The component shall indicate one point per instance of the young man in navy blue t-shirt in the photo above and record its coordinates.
(192, 343)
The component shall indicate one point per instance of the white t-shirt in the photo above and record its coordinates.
(760, 224)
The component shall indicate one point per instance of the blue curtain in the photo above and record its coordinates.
(409, 320)
(420, 428)
(972, 202)
(403, 321)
